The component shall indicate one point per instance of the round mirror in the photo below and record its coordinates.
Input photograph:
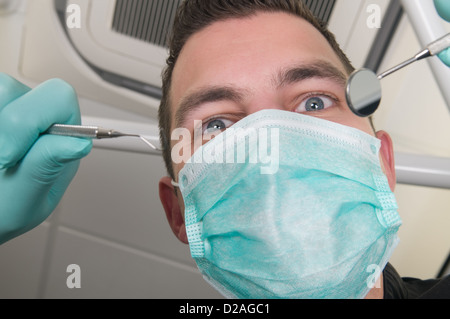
(363, 92)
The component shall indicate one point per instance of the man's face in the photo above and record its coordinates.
(270, 61)
(236, 67)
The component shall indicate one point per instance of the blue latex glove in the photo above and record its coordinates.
(443, 8)
(35, 169)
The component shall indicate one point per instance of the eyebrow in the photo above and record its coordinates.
(207, 95)
(318, 69)
(285, 77)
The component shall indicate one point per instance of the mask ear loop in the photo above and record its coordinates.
(175, 184)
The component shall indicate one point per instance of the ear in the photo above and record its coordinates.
(169, 200)
(387, 157)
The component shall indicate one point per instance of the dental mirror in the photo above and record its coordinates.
(363, 91)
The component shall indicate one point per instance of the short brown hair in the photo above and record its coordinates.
(195, 15)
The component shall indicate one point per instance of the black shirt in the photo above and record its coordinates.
(396, 287)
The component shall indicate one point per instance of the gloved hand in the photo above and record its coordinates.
(35, 169)
(443, 8)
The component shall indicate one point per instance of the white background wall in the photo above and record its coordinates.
(111, 222)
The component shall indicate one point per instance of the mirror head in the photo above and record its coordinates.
(363, 92)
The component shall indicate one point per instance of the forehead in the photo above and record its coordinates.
(247, 52)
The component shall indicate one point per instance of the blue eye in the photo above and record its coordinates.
(315, 103)
(216, 126)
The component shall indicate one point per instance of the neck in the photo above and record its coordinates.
(377, 291)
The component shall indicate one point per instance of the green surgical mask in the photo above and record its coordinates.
(321, 223)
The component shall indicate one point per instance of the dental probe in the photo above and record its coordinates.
(434, 48)
(93, 132)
